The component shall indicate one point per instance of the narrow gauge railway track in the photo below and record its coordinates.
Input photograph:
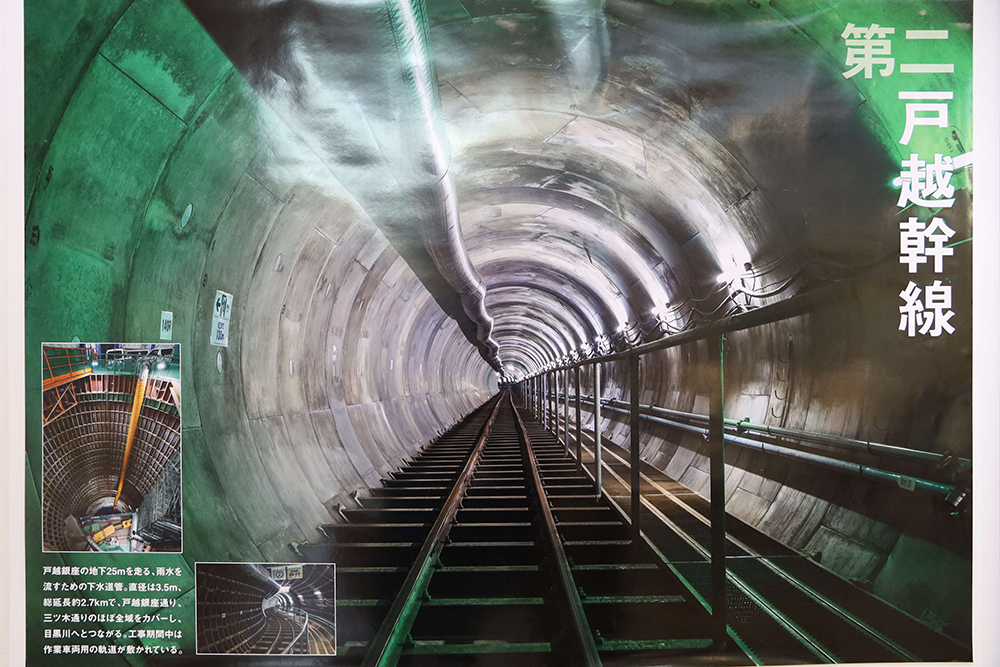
(491, 548)
(321, 639)
(281, 630)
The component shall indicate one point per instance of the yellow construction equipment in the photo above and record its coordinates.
(140, 394)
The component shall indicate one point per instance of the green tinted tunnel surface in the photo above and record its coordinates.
(672, 142)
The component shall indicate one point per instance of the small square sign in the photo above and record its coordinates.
(222, 309)
(166, 325)
(220, 332)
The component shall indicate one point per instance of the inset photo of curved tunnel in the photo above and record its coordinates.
(111, 431)
(266, 608)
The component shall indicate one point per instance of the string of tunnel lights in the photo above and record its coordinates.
(738, 289)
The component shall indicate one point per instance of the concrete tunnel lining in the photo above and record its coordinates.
(379, 367)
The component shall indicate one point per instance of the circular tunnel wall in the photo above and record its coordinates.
(611, 162)
(84, 448)
(339, 362)
(230, 607)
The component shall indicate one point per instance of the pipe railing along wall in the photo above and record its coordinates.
(946, 491)
(875, 448)
(801, 304)
(696, 423)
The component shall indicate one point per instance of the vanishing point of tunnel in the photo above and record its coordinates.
(563, 331)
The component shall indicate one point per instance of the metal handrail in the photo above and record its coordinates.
(298, 636)
(581, 645)
(387, 645)
(72, 357)
(840, 292)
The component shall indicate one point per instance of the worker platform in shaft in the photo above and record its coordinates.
(111, 477)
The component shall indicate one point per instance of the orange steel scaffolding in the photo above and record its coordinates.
(54, 410)
(64, 362)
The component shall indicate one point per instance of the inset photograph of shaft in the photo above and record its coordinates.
(111, 428)
(266, 608)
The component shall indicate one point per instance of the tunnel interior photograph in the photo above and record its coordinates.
(111, 477)
(573, 332)
(266, 608)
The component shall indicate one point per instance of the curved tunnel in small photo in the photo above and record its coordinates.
(266, 608)
(111, 443)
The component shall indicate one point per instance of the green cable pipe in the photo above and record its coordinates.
(945, 491)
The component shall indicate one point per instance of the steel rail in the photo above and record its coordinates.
(580, 648)
(670, 564)
(277, 636)
(387, 646)
(804, 639)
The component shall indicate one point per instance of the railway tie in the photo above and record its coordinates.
(491, 548)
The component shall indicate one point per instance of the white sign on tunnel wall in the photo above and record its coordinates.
(166, 325)
(222, 309)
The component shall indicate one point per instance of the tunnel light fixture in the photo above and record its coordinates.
(734, 273)
(660, 312)
(186, 216)
(94, 363)
(728, 276)
(161, 365)
(283, 589)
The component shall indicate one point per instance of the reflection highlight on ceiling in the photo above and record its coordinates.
(616, 175)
